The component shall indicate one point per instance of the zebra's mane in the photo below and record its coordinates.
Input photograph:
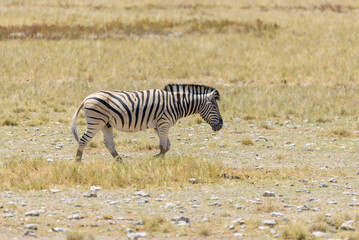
(192, 88)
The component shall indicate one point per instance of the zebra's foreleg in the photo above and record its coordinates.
(109, 141)
(164, 141)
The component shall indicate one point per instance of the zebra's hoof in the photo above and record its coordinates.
(118, 158)
(161, 155)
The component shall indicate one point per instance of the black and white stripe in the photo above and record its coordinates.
(133, 111)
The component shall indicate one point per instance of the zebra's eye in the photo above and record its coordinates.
(214, 108)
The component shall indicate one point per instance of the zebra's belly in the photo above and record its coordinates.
(132, 128)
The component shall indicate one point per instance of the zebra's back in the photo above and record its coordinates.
(129, 111)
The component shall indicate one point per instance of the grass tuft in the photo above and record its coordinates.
(341, 132)
(295, 231)
(246, 141)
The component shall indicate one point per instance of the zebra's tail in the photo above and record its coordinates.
(74, 122)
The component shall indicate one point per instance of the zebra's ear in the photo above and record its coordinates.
(214, 94)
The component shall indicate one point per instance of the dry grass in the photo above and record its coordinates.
(295, 231)
(156, 223)
(246, 141)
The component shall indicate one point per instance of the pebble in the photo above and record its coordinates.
(139, 223)
(180, 220)
(95, 188)
(347, 226)
(75, 216)
(270, 222)
(268, 194)
(231, 227)
(136, 235)
(215, 204)
(238, 235)
(276, 214)
(263, 228)
(239, 221)
(8, 215)
(319, 234)
(323, 185)
(58, 229)
(237, 206)
(142, 194)
(54, 191)
(170, 205)
(30, 233)
(32, 226)
(91, 193)
(332, 180)
(33, 213)
(192, 180)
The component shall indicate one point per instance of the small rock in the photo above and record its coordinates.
(75, 217)
(237, 206)
(136, 235)
(170, 205)
(57, 229)
(319, 234)
(8, 215)
(91, 193)
(30, 233)
(238, 120)
(215, 204)
(31, 226)
(33, 213)
(180, 220)
(268, 194)
(237, 235)
(323, 185)
(142, 194)
(263, 228)
(347, 226)
(332, 180)
(192, 180)
(95, 188)
(139, 223)
(239, 221)
(54, 191)
(231, 227)
(276, 214)
(270, 222)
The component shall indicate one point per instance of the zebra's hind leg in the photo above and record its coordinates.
(109, 141)
(84, 140)
(164, 141)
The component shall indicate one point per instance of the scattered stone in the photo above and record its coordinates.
(238, 120)
(32, 226)
(54, 191)
(268, 194)
(142, 194)
(238, 235)
(237, 206)
(239, 221)
(319, 234)
(332, 202)
(136, 235)
(332, 180)
(347, 226)
(231, 227)
(323, 185)
(8, 215)
(139, 223)
(180, 220)
(30, 233)
(263, 228)
(34, 213)
(192, 180)
(58, 229)
(75, 217)
(276, 214)
(270, 222)
(95, 188)
(170, 205)
(91, 193)
(111, 222)
(215, 204)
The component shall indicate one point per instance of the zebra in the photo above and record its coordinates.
(132, 111)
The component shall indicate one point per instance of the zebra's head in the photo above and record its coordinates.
(210, 111)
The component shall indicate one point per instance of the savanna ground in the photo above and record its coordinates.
(288, 74)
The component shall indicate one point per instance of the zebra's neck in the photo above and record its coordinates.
(186, 104)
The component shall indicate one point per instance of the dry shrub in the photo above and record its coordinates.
(295, 231)
(246, 141)
(155, 223)
(341, 132)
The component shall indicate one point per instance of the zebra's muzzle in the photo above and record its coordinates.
(217, 127)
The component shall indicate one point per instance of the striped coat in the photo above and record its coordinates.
(133, 111)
